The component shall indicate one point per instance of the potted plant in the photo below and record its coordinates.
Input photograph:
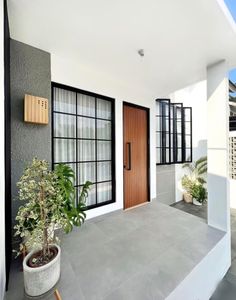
(196, 175)
(198, 193)
(49, 203)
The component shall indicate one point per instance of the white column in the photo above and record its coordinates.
(218, 139)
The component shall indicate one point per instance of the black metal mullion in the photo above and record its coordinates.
(96, 147)
(82, 139)
(96, 182)
(191, 134)
(169, 133)
(81, 161)
(76, 147)
(163, 125)
(183, 137)
(82, 116)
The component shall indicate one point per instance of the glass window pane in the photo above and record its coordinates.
(179, 113)
(73, 167)
(103, 109)
(85, 105)
(64, 150)
(158, 139)
(91, 200)
(64, 101)
(104, 171)
(104, 191)
(86, 150)
(103, 150)
(64, 125)
(187, 141)
(179, 140)
(158, 156)
(179, 155)
(158, 124)
(86, 172)
(167, 140)
(165, 109)
(188, 154)
(171, 154)
(179, 126)
(86, 127)
(104, 130)
(166, 124)
(187, 128)
(171, 140)
(167, 155)
(157, 108)
(187, 114)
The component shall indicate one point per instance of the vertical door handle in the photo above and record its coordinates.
(129, 156)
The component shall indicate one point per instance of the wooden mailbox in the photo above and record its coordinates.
(35, 110)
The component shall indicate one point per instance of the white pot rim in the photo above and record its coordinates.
(37, 269)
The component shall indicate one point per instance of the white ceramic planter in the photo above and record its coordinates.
(195, 202)
(40, 280)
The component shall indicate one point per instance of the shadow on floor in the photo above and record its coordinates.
(198, 211)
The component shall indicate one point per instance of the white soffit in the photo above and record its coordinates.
(180, 38)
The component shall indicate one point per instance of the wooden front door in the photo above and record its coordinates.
(136, 159)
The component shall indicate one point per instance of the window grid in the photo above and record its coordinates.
(174, 144)
(96, 161)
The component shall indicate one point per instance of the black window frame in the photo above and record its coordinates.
(112, 140)
(190, 134)
(177, 152)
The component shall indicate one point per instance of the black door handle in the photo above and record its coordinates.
(129, 156)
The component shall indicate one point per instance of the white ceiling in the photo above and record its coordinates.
(179, 37)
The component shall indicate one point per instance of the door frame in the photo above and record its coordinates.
(147, 109)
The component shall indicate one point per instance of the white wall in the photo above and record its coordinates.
(71, 73)
(194, 96)
(218, 146)
(2, 182)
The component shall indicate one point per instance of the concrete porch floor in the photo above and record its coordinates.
(227, 288)
(143, 253)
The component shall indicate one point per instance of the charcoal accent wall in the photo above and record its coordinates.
(30, 70)
(7, 111)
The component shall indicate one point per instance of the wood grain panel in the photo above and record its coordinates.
(135, 162)
(36, 110)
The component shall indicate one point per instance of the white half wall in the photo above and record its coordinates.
(2, 172)
(194, 96)
(75, 74)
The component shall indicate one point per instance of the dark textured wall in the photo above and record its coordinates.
(7, 108)
(30, 70)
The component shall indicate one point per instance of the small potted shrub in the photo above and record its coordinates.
(48, 203)
(198, 193)
(196, 175)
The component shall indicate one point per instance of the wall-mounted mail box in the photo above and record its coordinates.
(35, 110)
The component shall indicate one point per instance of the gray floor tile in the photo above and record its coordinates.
(169, 269)
(132, 254)
(139, 287)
